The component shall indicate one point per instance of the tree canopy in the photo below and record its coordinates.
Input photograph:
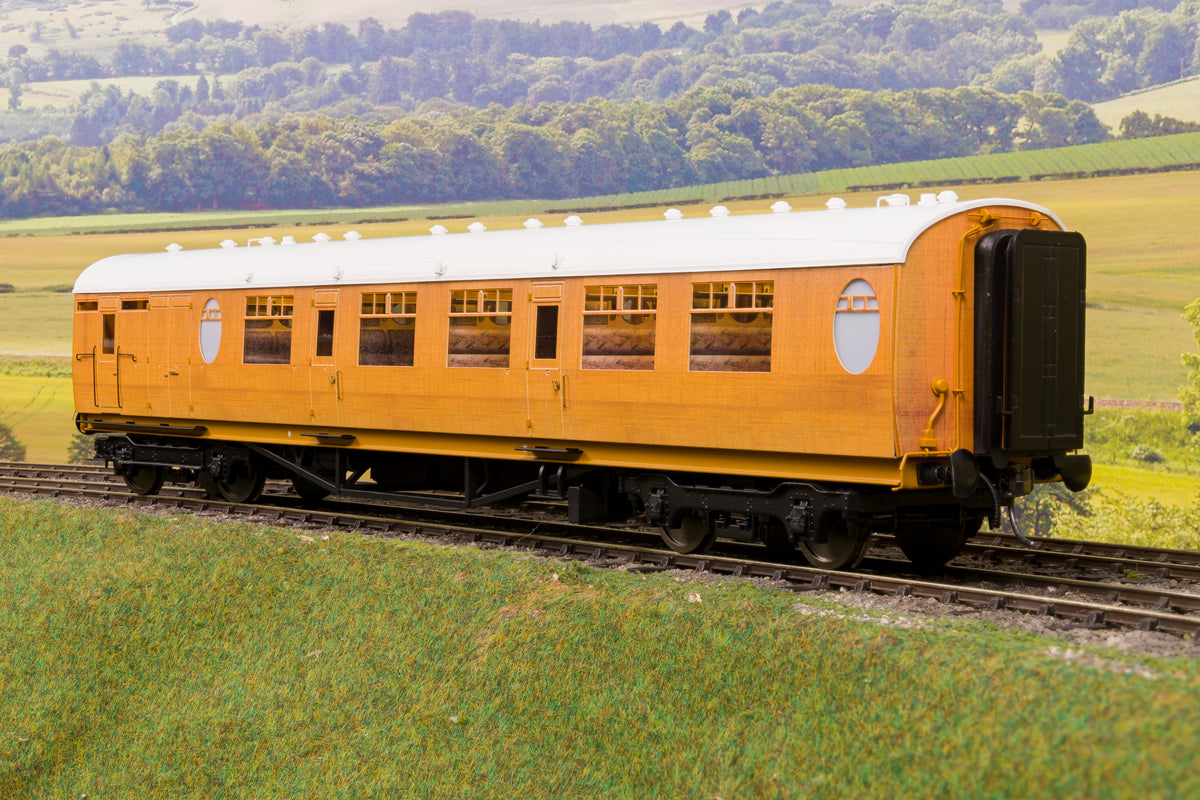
(450, 107)
(445, 152)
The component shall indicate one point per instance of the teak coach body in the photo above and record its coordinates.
(796, 378)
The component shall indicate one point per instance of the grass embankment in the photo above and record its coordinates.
(37, 405)
(153, 657)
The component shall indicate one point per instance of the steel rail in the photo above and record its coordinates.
(1118, 606)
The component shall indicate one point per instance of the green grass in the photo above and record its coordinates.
(225, 220)
(35, 323)
(1168, 488)
(1135, 355)
(1118, 156)
(1180, 99)
(40, 412)
(152, 657)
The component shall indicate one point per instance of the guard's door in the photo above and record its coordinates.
(107, 358)
(104, 351)
(111, 341)
(324, 377)
(170, 387)
(546, 387)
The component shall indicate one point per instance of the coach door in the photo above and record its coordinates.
(171, 336)
(111, 348)
(546, 382)
(100, 350)
(324, 377)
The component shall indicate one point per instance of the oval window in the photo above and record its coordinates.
(210, 331)
(856, 326)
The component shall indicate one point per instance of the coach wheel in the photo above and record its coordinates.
(929, 544)
(244, 484)
(694, 534)
(843, 547)
(143, 479)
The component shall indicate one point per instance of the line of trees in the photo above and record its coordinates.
(451, 55)
(446, 152)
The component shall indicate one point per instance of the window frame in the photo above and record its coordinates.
(278, 312)
(383, 312)
(630, 309)
(725, 333)
(488, 312)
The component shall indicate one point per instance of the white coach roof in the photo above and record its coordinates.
(837, 236)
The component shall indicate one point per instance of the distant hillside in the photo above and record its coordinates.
(298, 13)
(98, 25)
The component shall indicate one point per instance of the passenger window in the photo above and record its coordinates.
(268, 336)
(618, 327)
(324, 347)
(545, 339)
(387, 329)
(108, 339)
(731, 326)
(480, 325)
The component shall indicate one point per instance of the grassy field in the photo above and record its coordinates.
(1169, 488)
(63, 95)
(40, 412)
(153, 657)
(1180, 100)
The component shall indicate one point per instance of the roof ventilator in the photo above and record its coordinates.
(228, 244)
(893, 200)
(719, 211)
(351, 236)
(573, 221)
(673, 215)
(174, 247)
(836, 204)
(439, 230)
(782, 207)
(533, 224)
(321, 238)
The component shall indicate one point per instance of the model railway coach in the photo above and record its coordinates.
(799, 379)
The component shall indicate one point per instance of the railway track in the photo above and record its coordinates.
(1087, 584)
